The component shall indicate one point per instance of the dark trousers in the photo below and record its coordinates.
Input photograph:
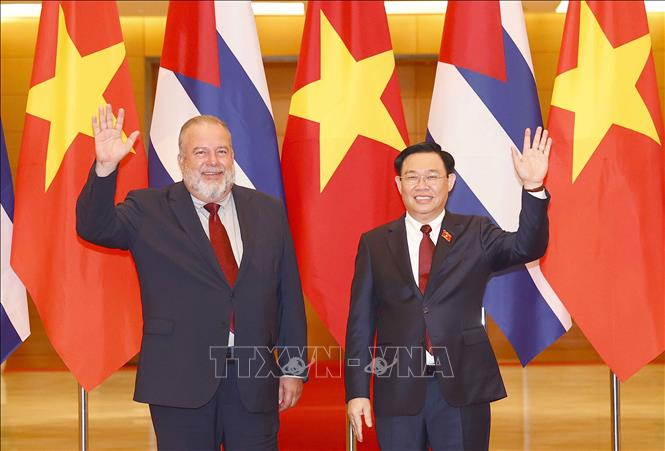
(438, 425)
(223, 420)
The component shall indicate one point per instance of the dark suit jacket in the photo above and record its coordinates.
(386, 303)
(186, 299)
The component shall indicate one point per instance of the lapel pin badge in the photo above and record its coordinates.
(446, 235)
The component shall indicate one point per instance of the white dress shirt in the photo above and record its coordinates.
(413, 238)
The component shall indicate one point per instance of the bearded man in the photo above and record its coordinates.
(220, 290)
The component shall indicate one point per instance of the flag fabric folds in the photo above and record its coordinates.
(345, 128)
(14, 320)
(87, 296)
(211, 64)
(605, 258)
(484, 97)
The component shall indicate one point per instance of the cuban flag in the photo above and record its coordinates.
(14, 320)
(484, 97)
(211, 64)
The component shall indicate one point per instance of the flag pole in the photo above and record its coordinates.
(83, 419)
(616, 413)
(350, 437)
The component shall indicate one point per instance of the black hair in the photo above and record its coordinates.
(425, 147)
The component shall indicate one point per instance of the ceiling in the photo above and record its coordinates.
(158, 8)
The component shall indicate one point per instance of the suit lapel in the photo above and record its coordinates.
(183, 207)
(399, 249)
(247, 224)
(449, 228)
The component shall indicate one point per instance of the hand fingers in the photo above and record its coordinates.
(287, 400)
(132, 139)
(95, 126)
(517, 157)
(527, 139)
(101, 112)
(121, 119)
(548, 146)
(109, 116)
(281, 394)
(102, 117)
(357, 424)
(296, 397)
(368, 418)
(283, 405)
(543, 140)
(536, 137)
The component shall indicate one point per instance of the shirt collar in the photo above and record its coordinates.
(198, 203)
(434, 223)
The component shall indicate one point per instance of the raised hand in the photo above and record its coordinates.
(531, 165)
(109, 148)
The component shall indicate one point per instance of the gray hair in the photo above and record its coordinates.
(203, 119)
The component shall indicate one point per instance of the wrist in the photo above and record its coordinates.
(534, 187)
(104, 169)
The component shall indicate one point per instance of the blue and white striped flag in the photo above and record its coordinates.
(484, 97)
(211, 64)
(14, 320)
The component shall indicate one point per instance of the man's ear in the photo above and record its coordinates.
(451, 181)
(398, 182)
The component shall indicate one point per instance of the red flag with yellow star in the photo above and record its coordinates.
(605, 256)
(345, 128)
(87, 296)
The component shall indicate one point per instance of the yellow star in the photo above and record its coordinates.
(71, 97)
(346, 101)
(601, 89)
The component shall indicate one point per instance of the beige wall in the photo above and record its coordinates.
(416, 41)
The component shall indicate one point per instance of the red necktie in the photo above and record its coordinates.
(221, 244)
(424, 265)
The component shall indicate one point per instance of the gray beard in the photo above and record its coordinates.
(213, 191)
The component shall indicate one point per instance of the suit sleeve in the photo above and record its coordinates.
(292, 340)
(504, 249)
(360, 327)
(99, 220)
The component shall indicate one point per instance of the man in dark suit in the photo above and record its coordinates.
(418, 289)
(220, 290)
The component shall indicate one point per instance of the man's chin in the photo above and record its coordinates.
(208, 193)
(214, 195)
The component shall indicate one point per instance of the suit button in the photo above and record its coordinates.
(426, 310)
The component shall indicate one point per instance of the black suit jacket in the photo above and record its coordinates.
(186, 299)
(387, 304)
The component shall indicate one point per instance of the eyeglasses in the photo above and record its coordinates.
(412, 180)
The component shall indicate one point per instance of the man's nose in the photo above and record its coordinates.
(212, 159)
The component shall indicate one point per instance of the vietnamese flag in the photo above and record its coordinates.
(605, 257)
(87, 296)
(345, 128)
